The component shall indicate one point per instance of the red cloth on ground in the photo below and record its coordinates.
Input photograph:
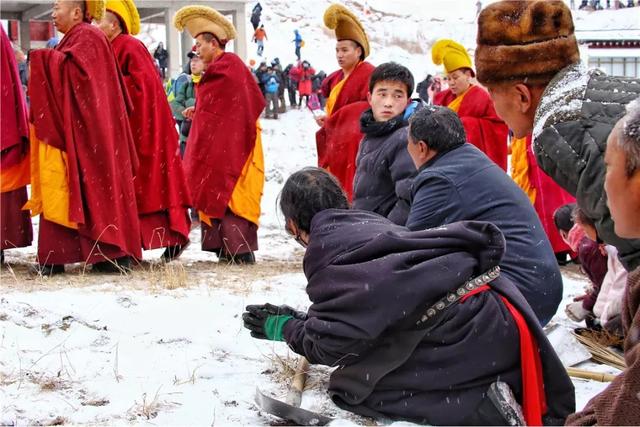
(223, 132)
(481, 123)
(232, 233)
(78, 105)
(338, 140)
(549, 197)
(15, 224)
(160, 184)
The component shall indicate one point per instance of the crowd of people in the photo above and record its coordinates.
(431, 270)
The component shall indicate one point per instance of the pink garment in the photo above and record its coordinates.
(575, 237)
(609, 302)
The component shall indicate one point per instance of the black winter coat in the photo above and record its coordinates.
(465, 185)
(384, 169)
(577, 112)
(370, 280)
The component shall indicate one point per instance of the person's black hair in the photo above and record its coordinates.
(438, 127)
(563, 217)
(392, 72)
(310, 191)
(580, 217)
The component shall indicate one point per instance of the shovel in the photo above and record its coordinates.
(290, 410)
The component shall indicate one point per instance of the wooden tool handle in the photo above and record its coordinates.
(590, 375)
(294, 396)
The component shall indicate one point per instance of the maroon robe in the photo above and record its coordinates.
(223, 133)
(338, 139)
(78, 105)
(15, 224)
(481, 123)
(161, 189)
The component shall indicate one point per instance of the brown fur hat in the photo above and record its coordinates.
(524, 39)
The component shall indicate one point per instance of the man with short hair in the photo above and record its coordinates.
(83, 155)
(384, 169)
(346, 91)
(162, 194)
(223, 159)
(457, 182)
(528, 58)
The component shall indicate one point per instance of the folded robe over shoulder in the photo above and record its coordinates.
(481, 123)
(223, 150)
(15, 224)
(338, 140)
(160, 185)
(78, 107)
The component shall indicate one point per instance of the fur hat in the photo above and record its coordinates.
(452, 54)
(127, 12)
(520, 39)
(95, 9)
(203, 19)
(346, 25)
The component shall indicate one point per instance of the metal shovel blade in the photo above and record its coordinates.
(285, 411)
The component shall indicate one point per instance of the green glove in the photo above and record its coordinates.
(263, 324)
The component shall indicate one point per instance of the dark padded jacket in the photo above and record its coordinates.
(384, 169)
(463, 184)
(369, 280)
(578, 110)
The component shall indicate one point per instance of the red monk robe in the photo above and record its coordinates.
(223, 160)
(481, 123)
(338, 140)
(83, 156)
(15, 224)
(161, 190)
(545, 195)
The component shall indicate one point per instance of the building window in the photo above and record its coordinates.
(617, 66)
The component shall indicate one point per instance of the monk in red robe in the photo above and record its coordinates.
(346, 91)
(224, 161)
(161, 190)
(15, 224)
(473, 105)
(82, 152)
(545, 195)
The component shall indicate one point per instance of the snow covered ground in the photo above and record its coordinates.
(165, 345)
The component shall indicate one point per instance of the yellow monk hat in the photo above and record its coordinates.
(95, 9)
(452, 54)
(346, 25)
(127, 11)
(202, 19)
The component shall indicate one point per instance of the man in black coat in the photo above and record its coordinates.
(384, 170)
(421, 324)
(538, 85)
(457, 182)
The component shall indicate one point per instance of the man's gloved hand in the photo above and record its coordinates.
(267, 321)
(576, 312)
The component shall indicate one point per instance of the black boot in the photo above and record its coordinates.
(118, 265)
(246, 258)
(498, 407)
(173, 252)
(46, 269)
